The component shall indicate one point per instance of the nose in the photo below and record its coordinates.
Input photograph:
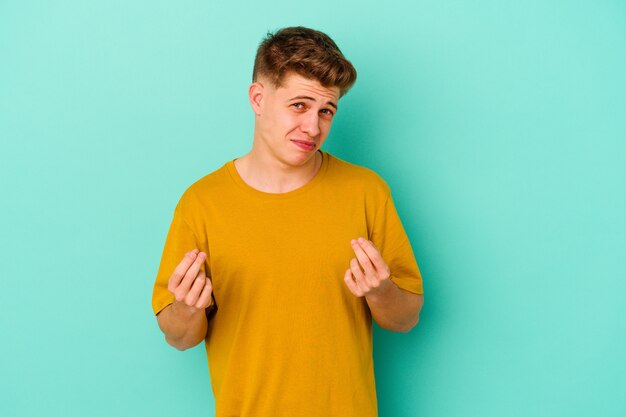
(311, 124)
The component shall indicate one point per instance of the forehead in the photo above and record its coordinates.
(293, 84)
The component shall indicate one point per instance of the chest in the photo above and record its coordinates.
(297, 244)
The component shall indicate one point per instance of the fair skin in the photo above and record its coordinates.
(291, 124)
(184, 322)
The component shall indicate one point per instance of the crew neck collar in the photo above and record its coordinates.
(321, 172)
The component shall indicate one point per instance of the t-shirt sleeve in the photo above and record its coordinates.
(181, 239)
(391, 240)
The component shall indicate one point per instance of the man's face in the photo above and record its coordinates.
(294, 119)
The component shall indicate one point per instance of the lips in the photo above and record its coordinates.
(304, 144)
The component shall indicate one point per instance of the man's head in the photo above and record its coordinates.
(306, 52)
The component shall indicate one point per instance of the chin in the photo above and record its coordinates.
(302, 158)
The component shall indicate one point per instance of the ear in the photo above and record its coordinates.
(255, 95)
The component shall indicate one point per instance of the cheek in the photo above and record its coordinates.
(288, 122)
(279, 123)
(325, 125)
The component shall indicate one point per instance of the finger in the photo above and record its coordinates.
(349, 280)
(205, 298)
(363, 282)
(181, 270)
(364, 260)
(369, 278)
(197, 251)
(191, 274)
(194, 292)
(357, 272)
(374, 254)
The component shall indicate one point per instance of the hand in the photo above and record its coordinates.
(189, 283)
(368, 273)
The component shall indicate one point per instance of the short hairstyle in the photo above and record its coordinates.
(306, 52)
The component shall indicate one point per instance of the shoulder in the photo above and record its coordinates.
(356, 177)
(205, 188)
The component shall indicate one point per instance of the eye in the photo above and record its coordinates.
(299, 106)
(327, 112)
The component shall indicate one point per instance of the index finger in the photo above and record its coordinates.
(373, 253)
(182, 268)
(363, 259)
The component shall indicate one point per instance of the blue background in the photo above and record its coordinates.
(499, 125)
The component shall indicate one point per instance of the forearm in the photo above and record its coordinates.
(184, 326)
(395, 309)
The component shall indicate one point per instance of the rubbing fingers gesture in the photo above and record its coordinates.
(368, 273)
(189, 283)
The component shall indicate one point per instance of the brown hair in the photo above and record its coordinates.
(307, 52)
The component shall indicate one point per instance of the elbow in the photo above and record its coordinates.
(412, 318)
(178, 344)
(181, 348)
(415, 319)
(407, 328)
(400, 327)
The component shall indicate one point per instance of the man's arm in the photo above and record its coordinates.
(369, 276)
(184, 322)
(396, 309)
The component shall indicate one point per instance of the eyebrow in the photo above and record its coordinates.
(312, 99)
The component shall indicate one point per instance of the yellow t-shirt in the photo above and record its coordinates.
(287, 337)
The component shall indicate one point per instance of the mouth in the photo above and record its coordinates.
(304, 144)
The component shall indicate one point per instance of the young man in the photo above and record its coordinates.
(280, 259)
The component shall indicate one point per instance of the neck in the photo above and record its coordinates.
(270, 175)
